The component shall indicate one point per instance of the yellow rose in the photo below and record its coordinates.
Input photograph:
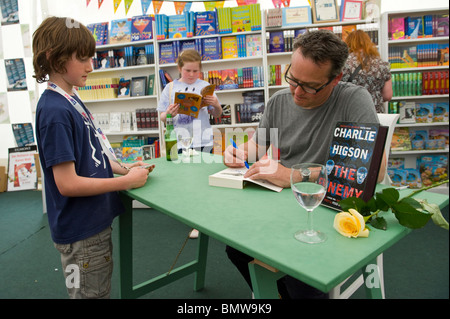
(350, 224)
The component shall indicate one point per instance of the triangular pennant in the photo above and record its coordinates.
(157, 6)
(209, 6)
(245, 2)
(145, 5)
(87, 2)
(179, 6)
(276, 3)
(116, 4)
(127, 5)
(288, 2)
(100, 2)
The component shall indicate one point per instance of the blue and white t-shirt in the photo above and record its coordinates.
(63, 136)
(203, 135)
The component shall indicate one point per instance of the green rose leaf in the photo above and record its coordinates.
(436, 216)
(409, 216)
(352, 202)
(386, 198)
(379, 223)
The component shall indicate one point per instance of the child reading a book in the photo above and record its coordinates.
(189, 66)
(81, 191)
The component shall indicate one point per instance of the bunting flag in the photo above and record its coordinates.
(116, 4)
(276, 3)
(210, 5)
(179, 6)
(145, 5)
(100, 2)
(87, 2)
(245, 2)
(127, 5)
(288, 2)
(157, 6)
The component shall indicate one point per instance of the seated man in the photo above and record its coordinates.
(304, 116)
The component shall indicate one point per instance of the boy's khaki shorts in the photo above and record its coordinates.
(88, 266)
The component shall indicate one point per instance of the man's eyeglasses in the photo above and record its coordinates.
(305, 88)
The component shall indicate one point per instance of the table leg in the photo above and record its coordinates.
(264, 281)
(372, 281)
(126, 249)
(202, 253)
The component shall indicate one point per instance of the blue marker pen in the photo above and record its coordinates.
(235, 146)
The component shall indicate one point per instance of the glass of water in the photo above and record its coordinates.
(308, 183)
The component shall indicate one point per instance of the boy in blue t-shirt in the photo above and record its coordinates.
(81, 191)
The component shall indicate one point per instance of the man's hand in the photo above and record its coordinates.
(271, 171)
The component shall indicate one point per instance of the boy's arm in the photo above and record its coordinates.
(71, 185)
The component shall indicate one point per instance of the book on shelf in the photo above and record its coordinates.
(141, 28)
(205, 23)
(99, 32)
(166, 53)
(151, 85)
(120, 31)
(400, 139)
(22, 172)
(276, 41)
(234, 178)
(211, 49)
(124, 88)
(253, 43)
(229, 47)
(240, 19)
(355, 155)
(224, 20)
(191, 103)
(165, 78)
(274, 18)
(407, 111)
(294, 16)
(177, 26)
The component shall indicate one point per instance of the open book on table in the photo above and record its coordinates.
(191, 103)
(234, 178)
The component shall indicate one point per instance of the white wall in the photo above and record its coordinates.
(22, 109)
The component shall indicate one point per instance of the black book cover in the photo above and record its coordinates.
(354, 159)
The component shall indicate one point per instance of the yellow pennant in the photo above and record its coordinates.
(209, 6)
(116, 4)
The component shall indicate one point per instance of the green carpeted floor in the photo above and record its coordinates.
(415, 268)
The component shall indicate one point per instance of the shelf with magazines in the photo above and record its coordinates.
(417, 49)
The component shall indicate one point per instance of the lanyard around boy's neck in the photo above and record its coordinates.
(106, 146)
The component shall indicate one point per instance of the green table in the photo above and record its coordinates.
(256, 221)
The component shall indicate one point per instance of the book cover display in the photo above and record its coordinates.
(22, 174)
(141, 28)
(355, 155)
(120, 31)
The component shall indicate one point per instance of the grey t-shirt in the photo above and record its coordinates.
(304, 135)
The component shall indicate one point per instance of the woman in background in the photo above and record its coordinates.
(364, 67)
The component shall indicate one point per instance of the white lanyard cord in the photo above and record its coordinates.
(106, 146)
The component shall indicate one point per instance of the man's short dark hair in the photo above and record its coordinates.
(322, 46)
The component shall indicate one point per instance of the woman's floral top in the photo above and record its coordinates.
(373, 77)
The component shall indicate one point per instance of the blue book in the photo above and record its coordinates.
(205, 23)
(177, 26)
(166, 53)
(161, 26)
(120, 31)
(141, 28)
(211, 49)
(276, 42)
